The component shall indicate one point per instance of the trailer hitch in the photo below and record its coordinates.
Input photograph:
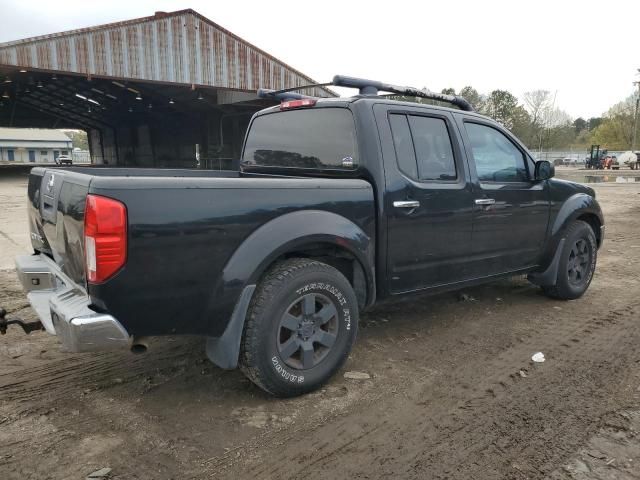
(28, 327)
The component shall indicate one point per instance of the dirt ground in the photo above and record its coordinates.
(453, 392)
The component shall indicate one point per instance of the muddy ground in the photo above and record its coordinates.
(453, 392)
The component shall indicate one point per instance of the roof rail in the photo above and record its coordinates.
(372, 87)
(367, 87)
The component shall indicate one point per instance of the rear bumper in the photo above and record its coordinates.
(63, 308)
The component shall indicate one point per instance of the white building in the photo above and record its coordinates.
(33, 145)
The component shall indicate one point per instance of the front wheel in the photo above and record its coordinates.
(300, 327)
(577, 263)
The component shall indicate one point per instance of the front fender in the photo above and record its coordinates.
(572, 208)
(575, 206)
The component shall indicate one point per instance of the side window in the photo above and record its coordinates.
(433, 148)
(423, 147)
(404, 145)
(497, 159)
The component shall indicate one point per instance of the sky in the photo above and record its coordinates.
(585, 52)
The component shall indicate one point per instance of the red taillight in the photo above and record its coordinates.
(105, 237)
(305, 102)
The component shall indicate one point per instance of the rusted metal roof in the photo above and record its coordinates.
(181, 47)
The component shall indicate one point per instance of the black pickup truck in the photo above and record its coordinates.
(336, 204)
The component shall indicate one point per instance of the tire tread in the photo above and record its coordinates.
(272, 281)
(556, 291)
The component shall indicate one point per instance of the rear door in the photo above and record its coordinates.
(511, 210)
(428, 201)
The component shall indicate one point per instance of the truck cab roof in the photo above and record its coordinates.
(345, 102)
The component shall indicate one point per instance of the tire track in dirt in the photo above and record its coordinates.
(446, 399)
(514, 393)
(57, 378)
(420, 445)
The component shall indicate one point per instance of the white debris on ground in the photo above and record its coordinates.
(538, 357)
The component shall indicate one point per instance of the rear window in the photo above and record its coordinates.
(319, 138)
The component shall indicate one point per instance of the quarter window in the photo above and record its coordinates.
(423, 147)
(496, 158)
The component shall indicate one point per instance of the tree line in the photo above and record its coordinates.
(542, 126)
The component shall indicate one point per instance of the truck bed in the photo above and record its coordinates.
(184, 226)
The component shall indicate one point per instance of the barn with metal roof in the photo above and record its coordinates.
(170, 90)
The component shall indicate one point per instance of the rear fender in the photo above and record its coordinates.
(293, 231)
(273, 240)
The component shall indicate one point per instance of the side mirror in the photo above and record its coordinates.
(544, 170)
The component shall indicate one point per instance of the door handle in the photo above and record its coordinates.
(485, 201)
(406, 204)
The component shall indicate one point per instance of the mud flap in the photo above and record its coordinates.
(549, 277)
(224, 350)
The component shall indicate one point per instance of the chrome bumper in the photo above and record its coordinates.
(63, 308)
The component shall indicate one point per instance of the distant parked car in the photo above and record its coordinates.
(64, 160)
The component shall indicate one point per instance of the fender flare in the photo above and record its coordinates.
(575, 206)
(275, 238)
(294, 230)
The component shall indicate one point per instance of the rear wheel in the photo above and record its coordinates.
(300, 327)
(577, 263)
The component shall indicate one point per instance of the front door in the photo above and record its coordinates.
(511, 208)
(428, 202)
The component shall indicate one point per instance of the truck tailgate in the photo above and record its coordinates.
(56, 217)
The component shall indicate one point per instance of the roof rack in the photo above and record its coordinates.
(368, 87)
(372, 87)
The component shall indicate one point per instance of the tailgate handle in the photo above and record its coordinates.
(485, 201)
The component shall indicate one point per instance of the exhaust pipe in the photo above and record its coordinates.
(139, 345)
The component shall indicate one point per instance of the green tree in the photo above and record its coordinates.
(615, 131)
(594, 122)
(502, 106)
(474, 98)
(579, 124)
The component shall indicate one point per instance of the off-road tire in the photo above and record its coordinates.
(260, 358)
(565, 288)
